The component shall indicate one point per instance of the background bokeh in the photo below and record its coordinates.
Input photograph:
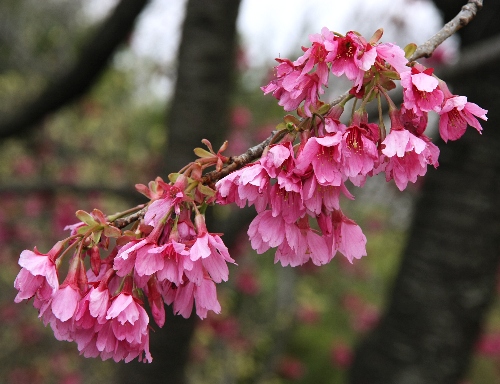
(278, 325)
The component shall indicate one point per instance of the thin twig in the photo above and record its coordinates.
(124, 221)
(237, 162)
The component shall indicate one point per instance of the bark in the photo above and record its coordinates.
(77, 80)
(446, 280)
(199, 110)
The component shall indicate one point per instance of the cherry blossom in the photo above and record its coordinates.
(421, 91)
(454, 116)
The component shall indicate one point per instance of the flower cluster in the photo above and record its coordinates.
(295, 180)
(300, 179)
(166, 258)
(287, 189)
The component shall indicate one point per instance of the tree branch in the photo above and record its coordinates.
(79, 78)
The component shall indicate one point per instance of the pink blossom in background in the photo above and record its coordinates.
(342, 355)
(489, 345)
(308, 314)
(247, 282)
(291, 368)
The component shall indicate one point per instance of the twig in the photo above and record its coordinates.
(124, 221)
(466, 14)
(237, 162)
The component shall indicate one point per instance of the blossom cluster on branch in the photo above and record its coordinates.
(162, 252)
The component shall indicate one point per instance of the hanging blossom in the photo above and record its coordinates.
(167, 257)
(163, 252)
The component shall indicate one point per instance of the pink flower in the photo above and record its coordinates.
(344, 234)
(176, 261)
(205, 297)
(211, 250)
(248, 184)
(302, 243)
(227, 190)
(181, 296)
(408, 155)
(266, 231)
(145, 255)
(455, 114)
(65, 302)
(421, 92)
(40, 264)
(317, 197)
(83, 318)
(173, 196)
(288, 205)
(399, 142)
(393, 55)
(292, 87)
(129, 320)
(277, 159)
(332, 122)
(156, 301)
(99, 303)
(253, 184)
(106, 345)
(351, 55)
(27, 285)
(359, 152)
(316, 55)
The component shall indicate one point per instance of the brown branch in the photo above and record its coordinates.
(237, 162)
(124, 221)
(466, 14)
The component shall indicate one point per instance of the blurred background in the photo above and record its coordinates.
(96, 96)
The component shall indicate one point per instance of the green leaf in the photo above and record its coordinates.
(207, 191)
(86, 218)
(83, 230)
(324, 109)
(203, 153)
(111, 231)
(96, 236)
(393, 75)
(410, 50)
(172, 177)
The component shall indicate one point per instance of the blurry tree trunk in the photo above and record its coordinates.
(447, 277)
(199, 109)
